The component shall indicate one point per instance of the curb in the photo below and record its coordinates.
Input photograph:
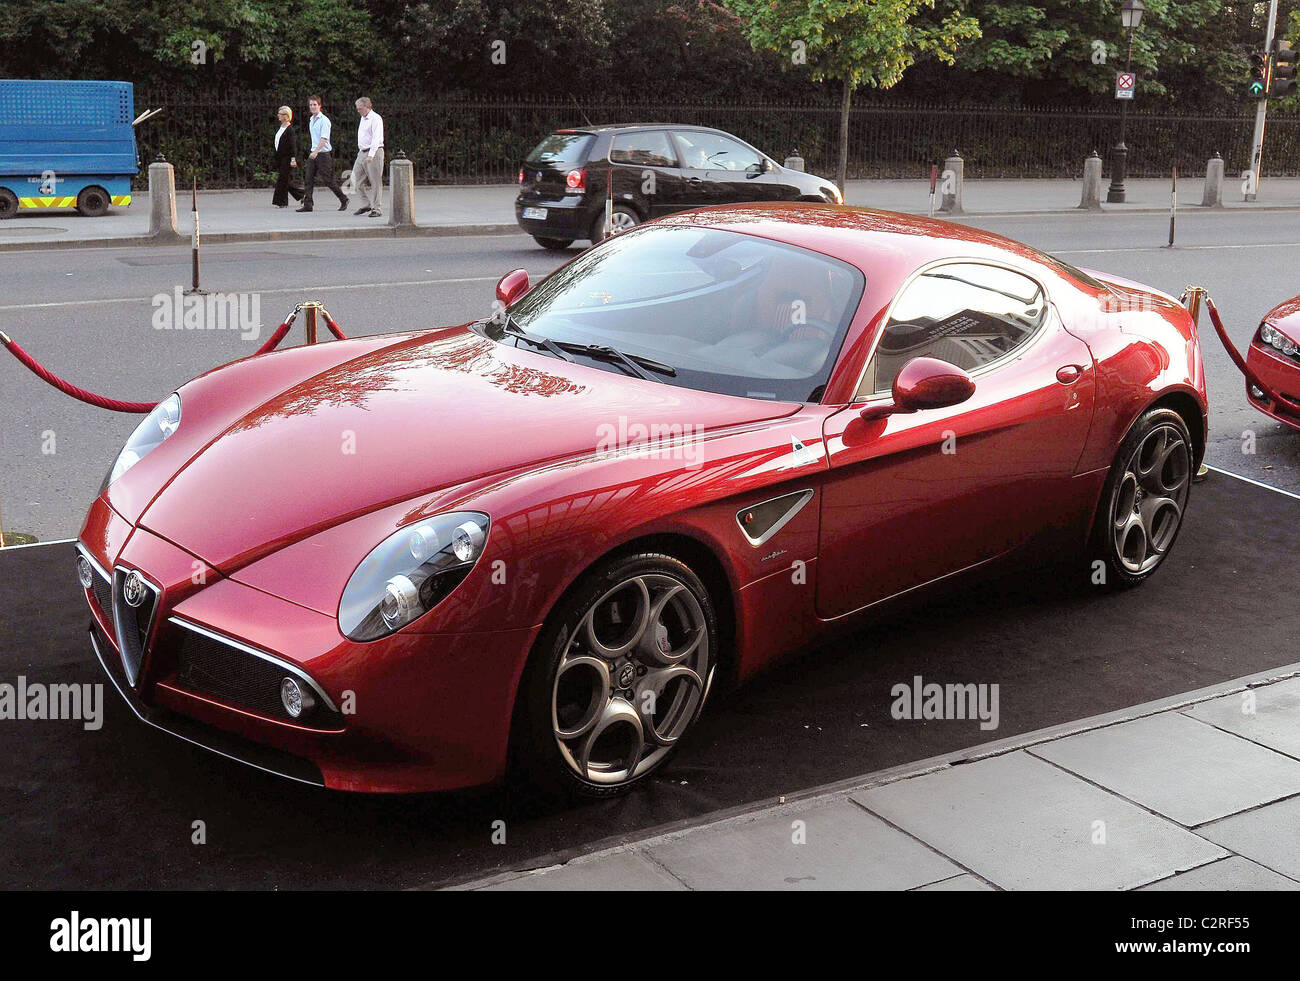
(878, 778)
(303, 235)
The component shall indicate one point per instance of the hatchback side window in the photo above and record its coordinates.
(711, 151)
(967, 314)
(643, 150)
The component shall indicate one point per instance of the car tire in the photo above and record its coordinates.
(8, 203)
(553, 244)
(93, 202)
(584, 724)
(1143, 502)
(624, 218)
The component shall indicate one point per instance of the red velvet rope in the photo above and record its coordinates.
(68, 388)
(116, 405)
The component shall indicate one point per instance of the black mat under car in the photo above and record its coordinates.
(114, 809)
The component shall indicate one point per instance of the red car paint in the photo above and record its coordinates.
(251, 519)
(1278, 374)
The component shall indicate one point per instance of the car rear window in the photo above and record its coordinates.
(561, 149)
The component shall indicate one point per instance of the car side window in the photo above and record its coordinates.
(968, 314)
(711, 151)
(643, 150)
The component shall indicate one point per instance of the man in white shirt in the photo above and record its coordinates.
(368, 171)
(320, 159)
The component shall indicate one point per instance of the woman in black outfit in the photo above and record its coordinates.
(286, 159)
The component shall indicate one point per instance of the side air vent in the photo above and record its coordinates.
(761, 521)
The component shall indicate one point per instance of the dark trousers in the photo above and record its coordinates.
(284, 186)
(322, 166)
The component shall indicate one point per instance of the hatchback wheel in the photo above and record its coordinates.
(1145, 498)
(618, 677)
(621, 220)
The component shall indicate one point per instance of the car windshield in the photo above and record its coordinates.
(731, 313)
(560, 149)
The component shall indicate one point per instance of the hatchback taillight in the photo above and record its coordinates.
(521, 175)
(576, 180)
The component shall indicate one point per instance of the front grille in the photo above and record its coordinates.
(208, 666)
(103, 590)
(132, 624)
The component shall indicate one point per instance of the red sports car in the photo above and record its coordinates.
(1273, 364)
(407, 562)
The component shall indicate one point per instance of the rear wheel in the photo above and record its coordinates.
(618, 676)
(93, 202)
(1144, 500)
(554, 244)
(8, 203)
(621, 220)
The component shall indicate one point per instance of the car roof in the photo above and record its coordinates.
(634, 127)
(874, 240)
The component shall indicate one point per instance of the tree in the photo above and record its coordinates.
(853, 42)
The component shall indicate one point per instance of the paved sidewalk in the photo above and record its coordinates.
(489, 209)
(1196, 792)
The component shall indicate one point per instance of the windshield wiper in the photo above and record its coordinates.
(536, 340)
(634, 363)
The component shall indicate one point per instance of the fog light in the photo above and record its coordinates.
(1256, 392)
(85, 574)
(297, 699)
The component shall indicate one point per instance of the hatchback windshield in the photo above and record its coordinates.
(730, 313)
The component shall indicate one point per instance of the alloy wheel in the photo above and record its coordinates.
(631, 680)
(1147, 505)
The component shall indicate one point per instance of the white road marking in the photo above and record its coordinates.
(1257, 483)
(1180, 248)
(293, 289)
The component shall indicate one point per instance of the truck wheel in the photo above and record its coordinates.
(8, 203)
(93, 202)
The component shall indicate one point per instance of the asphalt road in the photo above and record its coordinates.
(88, 315)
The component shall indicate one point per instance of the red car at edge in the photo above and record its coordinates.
(412, 562)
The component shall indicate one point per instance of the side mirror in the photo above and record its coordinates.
(767, 166)
(512, 286)
(924, 383)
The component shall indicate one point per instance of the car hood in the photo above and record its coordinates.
(396, 423)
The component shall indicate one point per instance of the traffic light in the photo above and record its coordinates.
(1281, 73)
(1257, 85)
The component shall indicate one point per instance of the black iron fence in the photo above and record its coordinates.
(227, 142)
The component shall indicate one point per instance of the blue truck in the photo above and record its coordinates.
(66, 144)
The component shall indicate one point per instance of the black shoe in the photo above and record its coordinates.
(344, 205)
(376, 213)
(305, 207)
(280, 206)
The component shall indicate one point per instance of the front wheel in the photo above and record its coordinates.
(8, 203)
(618, 676)
(93, 202)
(1144, 500)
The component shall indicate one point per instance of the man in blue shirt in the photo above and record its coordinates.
(321, 158)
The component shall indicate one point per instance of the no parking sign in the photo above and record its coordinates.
(1124, 85)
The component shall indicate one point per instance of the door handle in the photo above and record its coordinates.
(1069, 374)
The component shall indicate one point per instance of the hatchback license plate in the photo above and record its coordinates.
(537, 213)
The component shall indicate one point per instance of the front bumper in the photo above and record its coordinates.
(1281, 375)
(412, 712)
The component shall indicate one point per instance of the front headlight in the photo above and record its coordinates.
(410, 572)
(148, 436)
(835, 194)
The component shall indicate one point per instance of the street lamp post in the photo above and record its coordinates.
(1130, 15)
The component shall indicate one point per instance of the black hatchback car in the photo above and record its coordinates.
(658, 169)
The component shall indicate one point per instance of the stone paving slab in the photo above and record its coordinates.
(1269, 835)
(844, 848)
(1021, 823)
(958, 883)
(1233, 874)
(624, 870)
(1178, 767)
(1263, 715)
